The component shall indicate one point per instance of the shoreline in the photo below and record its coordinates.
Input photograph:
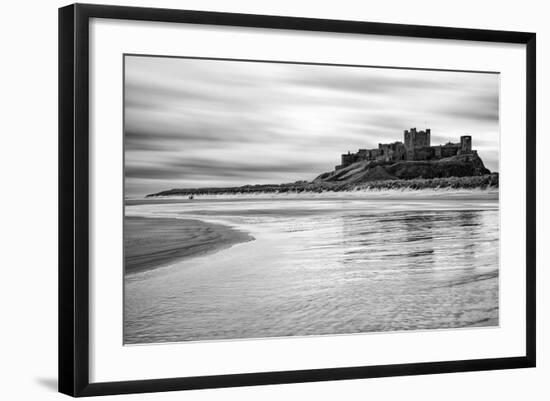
(153, 242)
(359, 194)
(483, 182)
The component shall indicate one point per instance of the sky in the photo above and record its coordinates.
(200, 123)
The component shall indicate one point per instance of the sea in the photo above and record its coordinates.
(323, 264)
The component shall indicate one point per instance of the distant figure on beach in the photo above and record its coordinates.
(191, 196)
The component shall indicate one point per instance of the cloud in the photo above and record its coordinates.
(192, 122)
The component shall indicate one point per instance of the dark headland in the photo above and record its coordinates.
(412, 164)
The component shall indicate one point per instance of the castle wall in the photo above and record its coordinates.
(416, 146)
(347, 159)
(450, 149)
(391, 151)
(423, 153)
(399, 151)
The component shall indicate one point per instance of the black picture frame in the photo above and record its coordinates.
(74, 198)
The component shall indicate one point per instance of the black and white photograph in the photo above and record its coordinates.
(275, 199)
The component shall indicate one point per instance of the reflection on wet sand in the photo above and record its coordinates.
(323, 267)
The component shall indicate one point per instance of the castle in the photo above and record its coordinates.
(416, 146)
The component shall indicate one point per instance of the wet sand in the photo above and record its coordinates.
(323, 267)
(154, 242)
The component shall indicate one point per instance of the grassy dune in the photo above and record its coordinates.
(481, 182)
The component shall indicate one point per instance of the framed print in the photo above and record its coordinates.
(251, 199)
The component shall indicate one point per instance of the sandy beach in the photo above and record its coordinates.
(355, 264)
(156, 242)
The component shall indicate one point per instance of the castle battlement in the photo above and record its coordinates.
(416, 145)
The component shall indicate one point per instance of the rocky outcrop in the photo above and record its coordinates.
(468, 165)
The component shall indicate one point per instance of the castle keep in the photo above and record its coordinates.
(416, 146)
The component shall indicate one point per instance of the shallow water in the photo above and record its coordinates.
(323, 266)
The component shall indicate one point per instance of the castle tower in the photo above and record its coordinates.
(428, 137)
(466, 144)
(414, 139)
(407, 139)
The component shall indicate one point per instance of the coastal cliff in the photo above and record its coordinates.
(468, 165)
(461, 171)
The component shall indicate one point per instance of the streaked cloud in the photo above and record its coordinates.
(191, 122)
